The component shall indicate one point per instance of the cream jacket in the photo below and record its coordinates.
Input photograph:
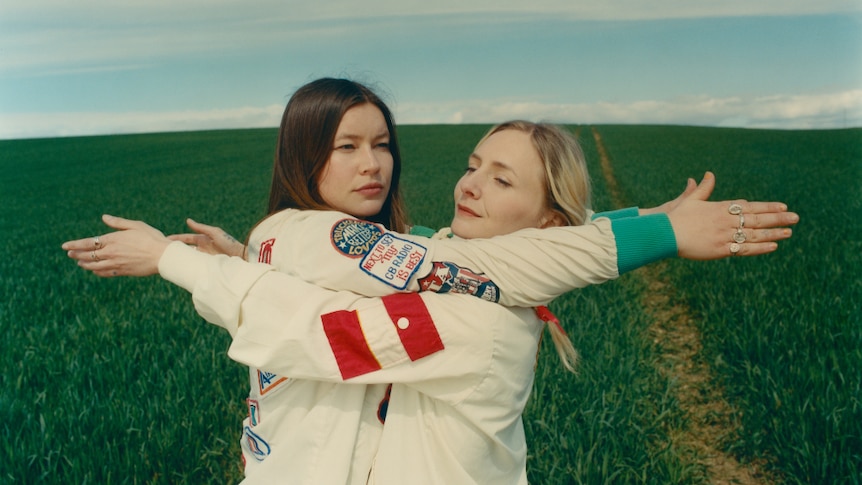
(320, 360)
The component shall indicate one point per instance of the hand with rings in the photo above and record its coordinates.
(711, 230)
(133, 250)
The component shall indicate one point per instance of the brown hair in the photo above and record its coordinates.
(305, 142)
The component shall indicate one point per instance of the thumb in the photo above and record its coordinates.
(127, 224)
(118, 222)
(201, 228)
(690, 186)
(705, 188)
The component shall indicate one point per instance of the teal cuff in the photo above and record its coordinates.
(422, 231)
(643, 240)
(618, 214)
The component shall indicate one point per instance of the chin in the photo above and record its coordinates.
(466, 232)
(368, 212)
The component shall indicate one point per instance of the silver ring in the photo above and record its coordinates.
(735, 209)
(739, 236)
(741, 221)
(97, 242)
(95, 256)
(734, 248)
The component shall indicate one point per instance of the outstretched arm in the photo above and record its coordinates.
(529, 267)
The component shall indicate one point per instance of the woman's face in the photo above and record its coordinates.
(503, 189)
(357, 177)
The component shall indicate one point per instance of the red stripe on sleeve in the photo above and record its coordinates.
(348, 344)
(415, 326)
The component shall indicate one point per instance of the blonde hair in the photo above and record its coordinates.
(567, 192)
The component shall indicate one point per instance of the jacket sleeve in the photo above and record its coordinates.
(401, 338)
(287, 326)
(526, 268)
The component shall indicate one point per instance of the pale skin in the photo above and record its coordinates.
(703, 229)
(503, 189)
(355, 180)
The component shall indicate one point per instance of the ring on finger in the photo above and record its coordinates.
(741, 221)
(97, 242)
(735, 209)
(734, 248)
(739, 236)
(95, 256)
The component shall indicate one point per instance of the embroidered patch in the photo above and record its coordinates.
(253, 412)
(268, 381)
(256, 446)
(393, 260)
(353, 237)
(450, 278)
(265, 255)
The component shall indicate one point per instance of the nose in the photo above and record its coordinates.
(369, 164)
(469, 186)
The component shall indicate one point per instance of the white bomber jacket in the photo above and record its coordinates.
(463, 365)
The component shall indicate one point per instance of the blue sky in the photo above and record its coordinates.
(97, 67)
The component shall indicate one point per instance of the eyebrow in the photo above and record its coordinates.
(495, 163)
(350, 136)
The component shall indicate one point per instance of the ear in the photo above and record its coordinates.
(552, 218)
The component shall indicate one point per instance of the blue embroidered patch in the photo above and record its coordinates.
(353, 237)
(268, 381)
(447, 277)
(393, 260)
(256, 446)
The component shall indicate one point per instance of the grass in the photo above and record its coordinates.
(119, 381)
(783, 331)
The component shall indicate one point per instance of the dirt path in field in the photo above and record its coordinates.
(710, 420)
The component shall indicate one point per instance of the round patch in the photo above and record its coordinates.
(354, 238)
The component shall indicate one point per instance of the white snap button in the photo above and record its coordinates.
(403, 323)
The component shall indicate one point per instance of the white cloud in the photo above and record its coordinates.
(836, 110)
(49, 125)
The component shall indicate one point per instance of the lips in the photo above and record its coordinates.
(370, 189)
(467, 211)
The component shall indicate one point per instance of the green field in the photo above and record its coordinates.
(119, 381)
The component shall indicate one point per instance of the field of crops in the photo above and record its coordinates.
(119, 381)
